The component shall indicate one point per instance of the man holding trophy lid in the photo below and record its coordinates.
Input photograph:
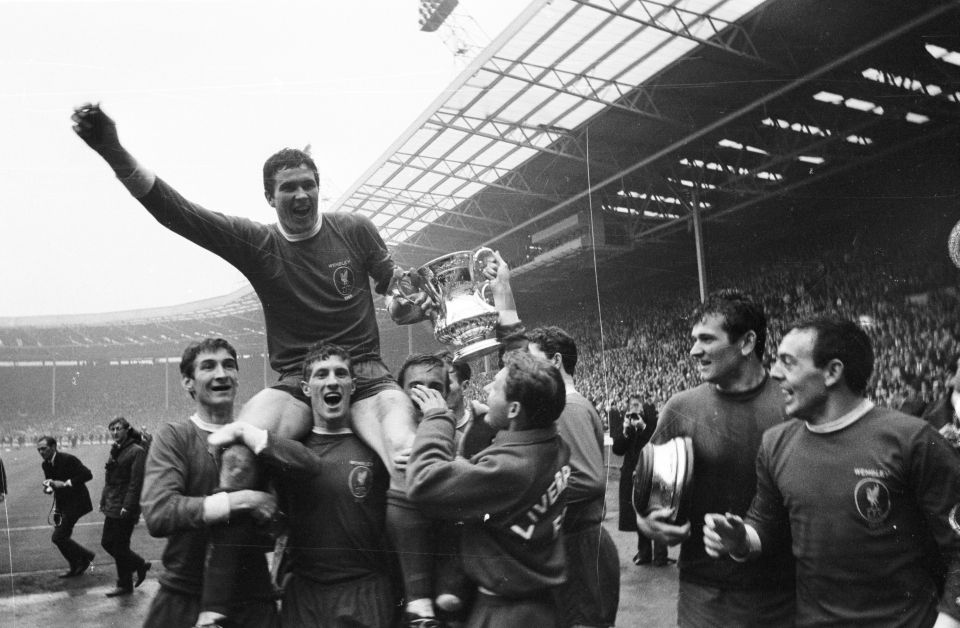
(724, 418)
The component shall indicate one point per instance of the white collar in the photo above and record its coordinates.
(465, 416)
(298, 237)
(323, 432)
(843, 421)
(955, 402)
(205, 425)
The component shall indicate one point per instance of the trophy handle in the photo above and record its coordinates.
(481, 258)
(485, 293)
(424, 279)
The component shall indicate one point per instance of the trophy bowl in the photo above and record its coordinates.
(465, 316)
(663, 476)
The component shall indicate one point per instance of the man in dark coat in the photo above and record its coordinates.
(3, 482)
(120, 505)
(67, 477)
(630, 431)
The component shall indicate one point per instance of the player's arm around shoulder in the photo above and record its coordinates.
(289, 457)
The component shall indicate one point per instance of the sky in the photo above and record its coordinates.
(202, 91)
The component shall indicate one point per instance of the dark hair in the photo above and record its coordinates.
(553, 340)
(196, 348)
(843, 340)
(283, 159)
(739, 314)
(536, 385)
(428, 360)
(322, 351)
(462, 369)
(50, 441)
(120, 420)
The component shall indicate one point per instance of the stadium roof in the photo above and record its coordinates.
(590, 131)
(590, 126)
(556, 67)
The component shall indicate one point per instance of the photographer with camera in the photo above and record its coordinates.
(66, 479)
(630, 431)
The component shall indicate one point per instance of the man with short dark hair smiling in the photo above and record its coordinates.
(870, 495)
(725, 418)
(179, 501)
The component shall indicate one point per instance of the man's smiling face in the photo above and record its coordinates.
(296, 197)
(329, 387)
(215, 378)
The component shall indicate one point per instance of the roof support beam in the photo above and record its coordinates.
(477, 212)
(506, 179)
(722, 121)
(630, 98)
(826, 172)
(728, 37)
(446, 119)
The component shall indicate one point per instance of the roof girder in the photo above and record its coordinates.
(728, 37)
(759, 102)
(630, 98)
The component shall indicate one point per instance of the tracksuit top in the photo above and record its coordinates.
(510, 497)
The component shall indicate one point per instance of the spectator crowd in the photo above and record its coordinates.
(906, 302)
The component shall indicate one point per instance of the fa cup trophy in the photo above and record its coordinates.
(465, 316)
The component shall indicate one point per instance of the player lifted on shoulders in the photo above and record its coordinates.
(312, 273)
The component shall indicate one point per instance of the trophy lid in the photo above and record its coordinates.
(663, 476)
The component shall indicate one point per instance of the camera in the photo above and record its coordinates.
(633, 419)
(48, 487)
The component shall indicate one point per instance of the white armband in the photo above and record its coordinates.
(255, 438)
(753, 545)
(216, 508)
(508, 317)
(139, 182)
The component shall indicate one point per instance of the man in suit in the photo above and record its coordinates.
(67, 476)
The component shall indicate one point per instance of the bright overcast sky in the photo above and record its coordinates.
(202, 92)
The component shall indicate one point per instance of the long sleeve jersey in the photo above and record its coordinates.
(317, 288)
(873, 512)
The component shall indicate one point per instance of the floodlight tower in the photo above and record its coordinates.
(434, 12)
(459, 31)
